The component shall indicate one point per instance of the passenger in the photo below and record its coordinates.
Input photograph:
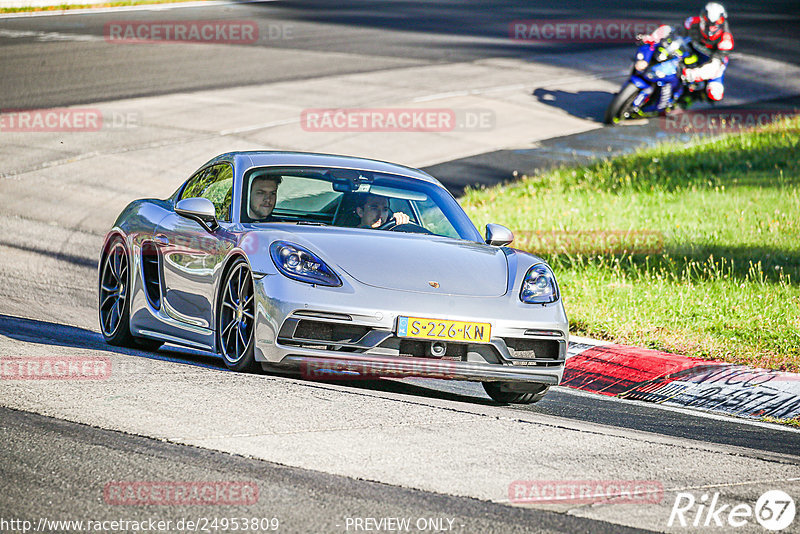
(263, 195)
(373, 211)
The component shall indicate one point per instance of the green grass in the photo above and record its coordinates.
(62, 7)
(790, 422)
(715, 274)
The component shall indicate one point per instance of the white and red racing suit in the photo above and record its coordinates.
(712, 51)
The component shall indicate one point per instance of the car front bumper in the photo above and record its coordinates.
(374, 350)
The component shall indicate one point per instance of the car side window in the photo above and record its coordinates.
(216, 184)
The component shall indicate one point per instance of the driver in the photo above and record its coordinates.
(263, 195)
(711, 39)
(373, 211)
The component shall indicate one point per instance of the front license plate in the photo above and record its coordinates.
(443, 330)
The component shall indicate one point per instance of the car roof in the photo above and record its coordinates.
(244, 160)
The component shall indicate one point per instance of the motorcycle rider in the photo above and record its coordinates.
(711, 40)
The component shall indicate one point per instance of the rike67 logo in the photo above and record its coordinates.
(774, 511)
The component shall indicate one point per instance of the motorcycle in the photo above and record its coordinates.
(655, 85)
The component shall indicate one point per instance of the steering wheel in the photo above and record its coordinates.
(411, 228)
(388, 225)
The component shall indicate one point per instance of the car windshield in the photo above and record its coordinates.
(349, 198)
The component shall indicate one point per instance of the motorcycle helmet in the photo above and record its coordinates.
(712, 20)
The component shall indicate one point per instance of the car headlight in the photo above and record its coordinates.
(539, 286)
(301, 264)
(640, 65)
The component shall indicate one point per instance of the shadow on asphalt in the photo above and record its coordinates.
(60, 335)
(589, 105)
(73, 259)
(407, 388)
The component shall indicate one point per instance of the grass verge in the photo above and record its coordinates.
(63, 7)
(790, 422)
(690, 249)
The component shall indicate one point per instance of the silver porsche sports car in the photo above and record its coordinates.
(334, 267)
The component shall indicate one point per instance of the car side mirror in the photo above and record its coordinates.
(198, 209)
(498, 235)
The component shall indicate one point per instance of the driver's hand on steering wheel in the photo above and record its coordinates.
(401, 218)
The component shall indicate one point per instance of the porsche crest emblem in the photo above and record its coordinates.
(433, 283)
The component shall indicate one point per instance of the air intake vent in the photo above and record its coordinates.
(540, 349)
(150, 273)
(337, 333)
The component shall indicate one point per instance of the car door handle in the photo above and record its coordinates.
(161, 240)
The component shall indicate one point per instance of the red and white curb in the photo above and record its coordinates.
(673, 380)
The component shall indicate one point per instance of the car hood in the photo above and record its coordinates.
(410, 262)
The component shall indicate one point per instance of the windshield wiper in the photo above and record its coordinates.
(312, 223)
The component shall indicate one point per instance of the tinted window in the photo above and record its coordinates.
(216, 184)
(333, 197)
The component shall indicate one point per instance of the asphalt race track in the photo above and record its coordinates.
(303, 501)
(324, 453)
(370, 36)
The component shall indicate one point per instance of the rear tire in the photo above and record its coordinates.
(621, 104)
(114, 308)
(499, 393)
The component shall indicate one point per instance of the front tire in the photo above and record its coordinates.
(619, 108)
(501, 392)
(236, 319)
(114, 287)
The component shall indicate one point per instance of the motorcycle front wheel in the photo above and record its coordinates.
(620, 106)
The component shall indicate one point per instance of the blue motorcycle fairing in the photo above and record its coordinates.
(638, 82)
(644, 52)
(667, 68)
(642, 97)
(675, 88)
